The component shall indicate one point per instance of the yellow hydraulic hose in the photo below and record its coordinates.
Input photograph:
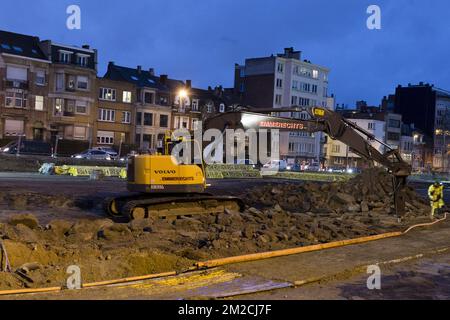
(232, 260)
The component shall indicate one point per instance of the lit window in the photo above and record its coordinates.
(315, 74)
(39, 103)
(126, 97)
(107, 94)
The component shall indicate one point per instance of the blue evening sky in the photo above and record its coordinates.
(202, 39)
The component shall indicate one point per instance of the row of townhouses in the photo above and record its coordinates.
(51, 91)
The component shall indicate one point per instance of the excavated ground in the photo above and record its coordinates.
(277, 216)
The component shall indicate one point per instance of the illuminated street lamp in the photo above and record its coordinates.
(182, 94)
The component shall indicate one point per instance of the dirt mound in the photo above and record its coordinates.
(370, 192)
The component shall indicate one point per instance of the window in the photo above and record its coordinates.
(209, 108)
(195, 124)
(392, 136)
(325, 92)
(371, 126)
(79, 133)
(139, 119)
(105, 137)
(59, 81)
(164, 121)
(126, 97)
(394, 123)
(14, 73)
(315, 74)
(295, 85)
(126, 117)
(82, 82)
(14, 127)
(303, 101)
(222, 108)
(81, 107)
(280, 67)
(278, 99)
(107, 94)
(306, 87)
(194, 105)
(82, 60)
(148, 119)
(65, 57)
(64, 108)
(39, 103)
(294, 100)
(71, 83)
(336, 148)
(106, 115)
(314, 88)
(148, 97)
(279, 83)
(305, 72)
(40, 78)
(16, 99)
(59, 105)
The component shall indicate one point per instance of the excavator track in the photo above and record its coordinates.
(145, 206)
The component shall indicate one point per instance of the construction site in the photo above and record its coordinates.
(165, 228)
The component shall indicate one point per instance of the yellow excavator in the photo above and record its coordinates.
(164, 187)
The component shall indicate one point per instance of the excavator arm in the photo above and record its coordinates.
(329, 122)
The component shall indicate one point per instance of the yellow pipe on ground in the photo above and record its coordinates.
(232, 260)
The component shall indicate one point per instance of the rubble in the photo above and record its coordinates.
(276, 217)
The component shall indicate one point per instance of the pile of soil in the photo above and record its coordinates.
(276, 217)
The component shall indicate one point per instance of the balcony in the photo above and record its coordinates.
(16, 84)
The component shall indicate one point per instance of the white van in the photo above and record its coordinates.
(278, 165)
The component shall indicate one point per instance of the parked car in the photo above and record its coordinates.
(113, 153)
(293, 167)
(279, 165)
(93, 154)
(28, 148)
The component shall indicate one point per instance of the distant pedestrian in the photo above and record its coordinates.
(436, 195)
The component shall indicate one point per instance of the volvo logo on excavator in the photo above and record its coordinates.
(165, 172)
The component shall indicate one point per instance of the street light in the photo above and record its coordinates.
(182, 94)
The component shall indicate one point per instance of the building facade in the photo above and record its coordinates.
(72, 91)
(24, 86)
(115, 113)
(340, 156)
(428, 108)
(284, 81)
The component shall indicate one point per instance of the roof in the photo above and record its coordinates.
(141, 78)
(21, 45)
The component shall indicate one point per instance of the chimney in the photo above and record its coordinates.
(188, 84)
(151, 71)
(163, 79)
(86, 46)
(111, 64)
(139, 69)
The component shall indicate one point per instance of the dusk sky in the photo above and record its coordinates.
(203, 39)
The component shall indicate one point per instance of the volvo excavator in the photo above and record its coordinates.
(163, 187)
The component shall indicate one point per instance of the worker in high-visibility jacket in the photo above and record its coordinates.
(436, 195)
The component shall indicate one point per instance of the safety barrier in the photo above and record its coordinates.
(86, 171)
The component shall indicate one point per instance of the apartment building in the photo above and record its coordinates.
(24, 85)
(282, 81)
(428, 108)
(114, 125)
(152, 103)
(72, 91)
(340, 156)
